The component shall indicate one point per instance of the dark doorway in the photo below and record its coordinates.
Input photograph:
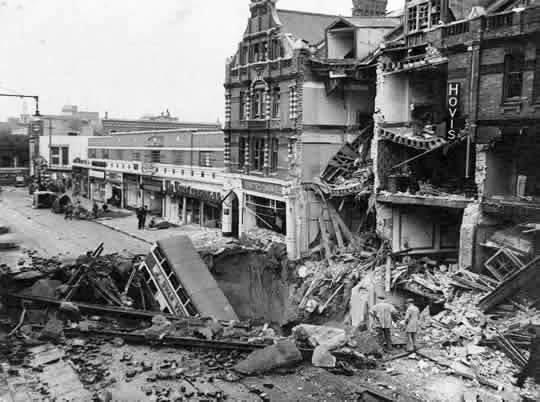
(235, 211)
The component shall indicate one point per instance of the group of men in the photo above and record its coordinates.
(383, 313)
(142, 213)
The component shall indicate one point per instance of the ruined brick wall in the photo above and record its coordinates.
(491, 103)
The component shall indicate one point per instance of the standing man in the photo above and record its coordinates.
(95, 210)
(382, 314)
(139, 213)
(412, 318)
(144, 215)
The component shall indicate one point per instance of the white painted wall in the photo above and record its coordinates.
(367, 40)
(393, 99)
(78, 146)
(336, 109)
(339, 44)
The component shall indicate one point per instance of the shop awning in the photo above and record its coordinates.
(407, 137)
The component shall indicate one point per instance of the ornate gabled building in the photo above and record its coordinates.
(295, 94)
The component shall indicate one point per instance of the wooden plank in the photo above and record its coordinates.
(510, 285)
(324, 239)
(345, 230)
(388, 274)
(337, 231)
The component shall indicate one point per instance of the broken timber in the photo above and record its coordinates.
(107, 310)
(511, 285)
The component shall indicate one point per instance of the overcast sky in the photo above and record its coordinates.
(127, 57)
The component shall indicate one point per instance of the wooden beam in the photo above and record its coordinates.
(324, 238)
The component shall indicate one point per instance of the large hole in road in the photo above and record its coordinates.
(256, 284)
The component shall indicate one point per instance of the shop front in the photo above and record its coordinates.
(264, 206)
(114, 188)
(189, 205)
(152, 195)
(131, 191)
(81, 185)
(98, 185)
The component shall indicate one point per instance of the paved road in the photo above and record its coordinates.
(49, 234)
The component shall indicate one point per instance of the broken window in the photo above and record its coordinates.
(513, 75)
(205, 158)
(274, 152)
(65, 156)
(423, 15)
(257, 105)
(435, 12)
(241, 152)
(412, 16)
(257, 153)
(91, 154)
(155, 156)
(276, 103)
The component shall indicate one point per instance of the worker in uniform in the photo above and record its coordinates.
(412, 318)
(382, 314)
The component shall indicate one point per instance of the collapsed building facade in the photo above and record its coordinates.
(455, 129)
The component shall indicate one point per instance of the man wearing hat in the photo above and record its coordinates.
(412, 317)
(382, 314)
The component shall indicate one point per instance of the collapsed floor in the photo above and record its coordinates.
(109, 340)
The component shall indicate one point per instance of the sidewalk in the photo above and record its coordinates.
(125, 222)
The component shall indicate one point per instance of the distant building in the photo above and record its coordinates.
(369, 8)
(49, 134)
(149, 123)
(177, 173)
(297, 91)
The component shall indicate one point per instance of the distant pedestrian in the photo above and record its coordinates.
(144, 215)
(382, 314)
(95, 210)
(412, 318)
(68, 212)
(139, 212)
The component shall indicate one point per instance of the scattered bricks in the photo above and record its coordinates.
(126, 357)
(146, 366)
(118, 342)
(53, 331)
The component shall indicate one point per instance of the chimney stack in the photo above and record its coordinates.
(369, 8)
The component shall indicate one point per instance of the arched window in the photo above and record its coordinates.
(513, 75)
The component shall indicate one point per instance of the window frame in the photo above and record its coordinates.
(513, 75)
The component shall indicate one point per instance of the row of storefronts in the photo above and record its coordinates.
(179, 202)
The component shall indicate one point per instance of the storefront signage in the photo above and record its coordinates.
(454, 89)
(267, 188)
(36, 128)
(152, 185)
(147, 168)
(114, 177)
(188, 191)
(97, 174)
(155, 141)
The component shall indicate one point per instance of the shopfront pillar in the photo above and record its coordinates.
(201, 212)
(291, 227)
(184, 211)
